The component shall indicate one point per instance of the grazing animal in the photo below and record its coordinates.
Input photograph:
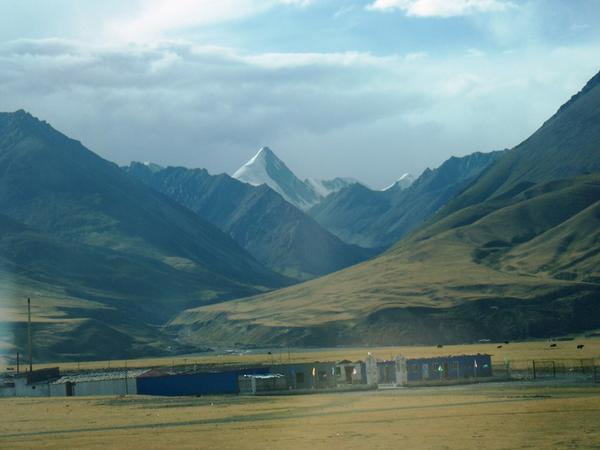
(552, 345)
(499, 346)
(580, 346)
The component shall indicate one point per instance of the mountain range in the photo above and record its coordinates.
(515, 254)
(274, 231)
(266, 168)
(79, 229)
(144, 260)
(378, 219)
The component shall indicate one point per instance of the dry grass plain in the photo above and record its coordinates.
(493, 416)
(518, 353)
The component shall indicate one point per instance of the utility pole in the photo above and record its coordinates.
(29, 333)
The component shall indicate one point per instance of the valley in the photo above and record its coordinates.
(151, 260)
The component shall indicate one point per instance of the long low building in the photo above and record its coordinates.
(300, 377)
(435, 370)
(96, 384)
(155, 382)
(460, 367)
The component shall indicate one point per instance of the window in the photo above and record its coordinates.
(300, 378)
(338, 371)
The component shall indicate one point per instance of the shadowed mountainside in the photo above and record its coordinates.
(76, 228)
(378, 219)
(275, 232)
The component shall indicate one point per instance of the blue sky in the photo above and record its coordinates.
(369, 89)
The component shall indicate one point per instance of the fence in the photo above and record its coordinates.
(558, 368)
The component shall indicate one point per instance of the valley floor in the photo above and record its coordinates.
(496, 416)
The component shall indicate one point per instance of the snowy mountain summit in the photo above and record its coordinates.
(266, 168)
(401, 183)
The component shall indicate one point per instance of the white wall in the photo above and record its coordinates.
(58, 390)
(372, 371)
(22, 389)
(105, 387)
(401, 371)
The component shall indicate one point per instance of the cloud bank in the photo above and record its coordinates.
(441, 8)
(159, 17)
(335, 90)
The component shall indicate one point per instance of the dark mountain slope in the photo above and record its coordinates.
(566, 145)
(75, 224)
(380, 218)
(54, 184)
(275, 232)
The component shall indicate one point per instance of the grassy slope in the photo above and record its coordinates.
(565, 146)
(473, 271)
(442, 273)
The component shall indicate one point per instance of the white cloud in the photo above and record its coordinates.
(209, 106)
(440, 8)
(159, 17)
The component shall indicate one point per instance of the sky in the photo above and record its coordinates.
(368, 88)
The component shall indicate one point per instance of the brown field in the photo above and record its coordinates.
(518, 353)
(495, 416)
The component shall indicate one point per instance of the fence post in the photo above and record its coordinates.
(534, 377)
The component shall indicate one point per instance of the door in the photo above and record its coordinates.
(348, 371)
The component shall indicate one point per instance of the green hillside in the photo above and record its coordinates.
(566, 145)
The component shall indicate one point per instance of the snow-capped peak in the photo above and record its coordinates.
(261, 168)
(403, 182)
(264, 156)
(266, 168)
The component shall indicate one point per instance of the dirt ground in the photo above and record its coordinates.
(518, 415)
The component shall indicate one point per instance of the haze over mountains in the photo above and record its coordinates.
(142, 259)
